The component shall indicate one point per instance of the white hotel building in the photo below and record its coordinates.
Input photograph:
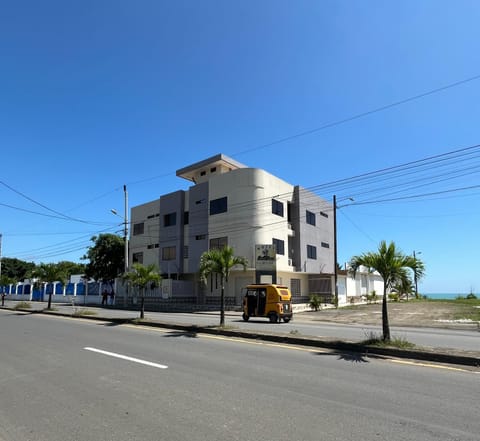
(248, 209)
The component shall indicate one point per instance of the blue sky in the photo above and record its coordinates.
(98, 94)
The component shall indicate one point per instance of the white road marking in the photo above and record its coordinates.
(125, 357)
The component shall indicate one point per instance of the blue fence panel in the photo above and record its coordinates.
(80, 289)
(93, 288)
(37, 294)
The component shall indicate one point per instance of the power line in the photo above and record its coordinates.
(359, 115)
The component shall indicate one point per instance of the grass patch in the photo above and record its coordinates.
(22, 305)
(83, 312)
(396, 342)
(138, 321)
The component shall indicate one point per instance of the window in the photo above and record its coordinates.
(200, 237)
(138, 228)
(152, 216)
(325, 245)
(311, 252)
(153, 245)
(310, 218)
(169, 219)
(323, 214)
(203, 173)
(218, 243)
(137, 258)
(169, 253)
(186, 218)
(200, 201)
(279, 246)
(277, 207)
(218, 206)
(213, 169)
(185, 251)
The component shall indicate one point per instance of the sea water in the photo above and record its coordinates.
(443, 296)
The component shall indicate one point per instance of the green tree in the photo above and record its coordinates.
(71, 268)
(49, 273)
(220, 261)
(16, 269)
(106, 258)
(141, 277)
(390, 263)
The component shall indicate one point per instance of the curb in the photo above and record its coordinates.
(459, 358)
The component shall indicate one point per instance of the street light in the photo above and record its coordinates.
(125, 232)
(415, 274)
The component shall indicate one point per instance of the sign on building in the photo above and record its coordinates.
(265, 258)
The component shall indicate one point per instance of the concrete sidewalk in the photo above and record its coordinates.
(157, 319)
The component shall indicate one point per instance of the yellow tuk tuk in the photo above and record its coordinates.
(268, 300)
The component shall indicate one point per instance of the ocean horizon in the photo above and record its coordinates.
(443, 296)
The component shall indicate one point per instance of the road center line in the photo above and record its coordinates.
(125, 357)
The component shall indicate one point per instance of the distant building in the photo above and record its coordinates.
(285, 232)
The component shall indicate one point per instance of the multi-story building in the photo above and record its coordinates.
(286, 232)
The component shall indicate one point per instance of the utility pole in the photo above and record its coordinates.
(125, 230)
(415, 276)
(125, 237)
(335, 271)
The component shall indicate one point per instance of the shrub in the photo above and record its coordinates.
(372, 297)
(315, 302)
(471, 296)
(393, 297)
(22, 305)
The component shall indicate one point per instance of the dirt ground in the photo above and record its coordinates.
(412, 313)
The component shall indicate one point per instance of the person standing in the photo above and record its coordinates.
(104, 297)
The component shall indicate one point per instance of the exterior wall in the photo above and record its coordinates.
(319, 235)
(198, 224)
(146, 243)
(171, 235)
(249, 219)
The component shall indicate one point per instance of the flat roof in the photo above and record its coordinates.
(190, 171)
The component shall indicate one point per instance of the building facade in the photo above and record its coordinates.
(286, 232)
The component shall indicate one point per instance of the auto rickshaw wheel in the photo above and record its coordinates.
(273, 317)
(286, 319)
(245, 317)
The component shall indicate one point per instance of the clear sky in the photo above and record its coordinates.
(96, 94)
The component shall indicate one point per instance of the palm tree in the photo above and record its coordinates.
(404, 285)
(220, 261)
(49, 273)
(391, 264)
(141, 277)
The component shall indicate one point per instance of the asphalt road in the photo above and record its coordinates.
(62, 379)
(428, 337)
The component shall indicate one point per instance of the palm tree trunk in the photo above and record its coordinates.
(385, 325)
(142, 304)
(222, 304)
